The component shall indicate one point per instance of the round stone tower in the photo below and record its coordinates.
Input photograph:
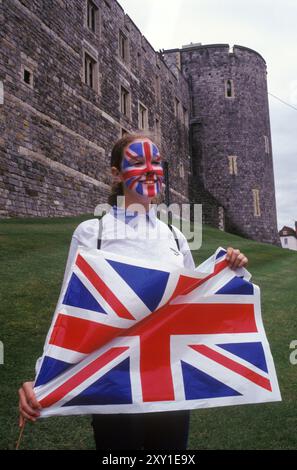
(231, 138)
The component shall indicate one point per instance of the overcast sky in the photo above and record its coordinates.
(267, 26)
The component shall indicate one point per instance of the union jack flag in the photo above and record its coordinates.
(130, 336)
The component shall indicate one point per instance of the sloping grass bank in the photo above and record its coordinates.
(33, 253)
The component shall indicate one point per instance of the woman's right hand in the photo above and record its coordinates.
(28, 405)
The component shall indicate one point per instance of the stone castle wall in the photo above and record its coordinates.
(57, 131)
(56, 142)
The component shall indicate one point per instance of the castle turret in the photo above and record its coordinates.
(230, 136)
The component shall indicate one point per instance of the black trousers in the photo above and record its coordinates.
(162, 431)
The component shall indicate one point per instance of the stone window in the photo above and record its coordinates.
(90, 71)
(123, 47)
(176, 108)
(256, 200)
(157, 61)
(181, 170)
(139, 61)
(92, 16)
(221, 218)
(125, 102)
(27, 76)
(158, 127)
(158, 88)
(142, 116)
(1, 93)
(232, 165)
(185, 117)
(266, 144)
(229, 89)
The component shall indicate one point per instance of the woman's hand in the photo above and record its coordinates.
(236, 259)
(28, 405)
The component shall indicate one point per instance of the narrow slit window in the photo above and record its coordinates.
(123, 47)
(28, 76)
(90, 71)
(185, 117)
(142, 117)
(232, 165)
(92, 13)
(139, 62)
(266, 144)
(176, 107)
(256, 199)
(229, 89)
(181, 170)
(158, 127)
(158, 88)
(125, 101)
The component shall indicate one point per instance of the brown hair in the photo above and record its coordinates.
(116, 160)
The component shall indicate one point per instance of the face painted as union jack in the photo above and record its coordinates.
(141, 167)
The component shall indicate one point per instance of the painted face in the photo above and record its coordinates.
(141, 168)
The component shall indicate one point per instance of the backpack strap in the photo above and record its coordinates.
(100, 232)
(175, 237)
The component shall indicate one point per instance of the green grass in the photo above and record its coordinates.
(33, 253)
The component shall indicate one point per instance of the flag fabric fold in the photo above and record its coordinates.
(131, 336)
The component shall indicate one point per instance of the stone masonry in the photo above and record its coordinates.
(76, 75)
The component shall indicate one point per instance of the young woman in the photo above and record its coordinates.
(137, 175)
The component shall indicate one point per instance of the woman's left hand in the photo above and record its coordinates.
(236, 259)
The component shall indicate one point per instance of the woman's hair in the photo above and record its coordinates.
(116, 160)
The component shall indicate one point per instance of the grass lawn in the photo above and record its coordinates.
(33, 253)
